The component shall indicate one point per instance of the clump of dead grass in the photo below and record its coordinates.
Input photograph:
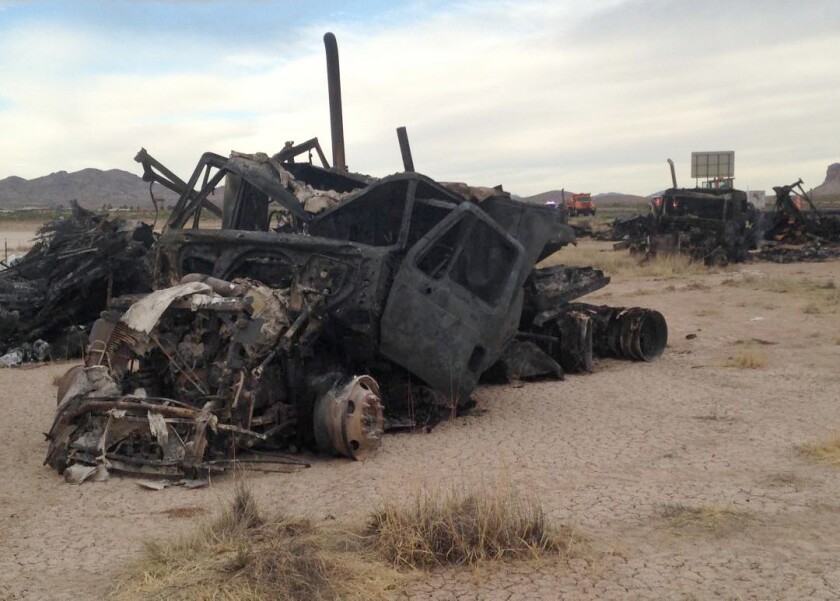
(747, 358)
(465, 526)
(617, 263)
(189, 511)
(717, 518)
(826, 450)
(243, 555)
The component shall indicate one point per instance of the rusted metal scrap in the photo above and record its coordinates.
(62, 284)
(319, 327)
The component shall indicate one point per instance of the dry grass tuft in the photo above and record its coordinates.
(813, 309)
(716, 518)
(622, 263)
(460, 526)
(826, 450)
(184, 512)
(242, 555)
(747, 358)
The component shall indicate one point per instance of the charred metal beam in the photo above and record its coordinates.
(405, 149)
(336, 119)
(290, 152)
(169, 179)
(673, 173)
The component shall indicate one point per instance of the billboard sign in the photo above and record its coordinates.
(710, 165)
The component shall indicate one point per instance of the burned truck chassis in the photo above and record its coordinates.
(327, 300)
(251, 339)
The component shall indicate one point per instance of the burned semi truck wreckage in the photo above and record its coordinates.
(719, 226)
(713, 225)
(329, 308)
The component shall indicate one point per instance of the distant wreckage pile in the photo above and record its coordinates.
(329, 308)
(719, 226)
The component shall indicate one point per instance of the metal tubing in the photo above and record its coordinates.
(673, 173)
(405, 149)
(334, 85)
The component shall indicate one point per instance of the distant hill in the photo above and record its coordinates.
(617, 198)
(544, 197)
(91, 187)
(831, 185)
(607, 198)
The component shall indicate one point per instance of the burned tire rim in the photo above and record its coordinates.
(349, 419)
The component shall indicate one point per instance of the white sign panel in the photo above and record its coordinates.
(713, 164)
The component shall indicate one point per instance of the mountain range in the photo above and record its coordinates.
(93, 188)
(90, 187)
(607, 198)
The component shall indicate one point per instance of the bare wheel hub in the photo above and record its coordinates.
(348, 418)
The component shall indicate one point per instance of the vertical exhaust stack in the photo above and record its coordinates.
(405, 149)
(336, 118)
(673, 173)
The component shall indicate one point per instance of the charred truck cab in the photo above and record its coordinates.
(715, 225)
(407, 269)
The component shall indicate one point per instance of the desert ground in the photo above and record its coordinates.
(684, 478)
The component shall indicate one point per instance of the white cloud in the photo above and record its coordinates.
(535, 95)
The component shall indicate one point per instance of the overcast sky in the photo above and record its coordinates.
(589, 95)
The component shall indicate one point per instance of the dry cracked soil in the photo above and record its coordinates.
(682, 474)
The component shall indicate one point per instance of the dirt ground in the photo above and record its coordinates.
(682, 474)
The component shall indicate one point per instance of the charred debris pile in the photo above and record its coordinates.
(50, 296)
(797, 233)
(329, 308)
(290, 329)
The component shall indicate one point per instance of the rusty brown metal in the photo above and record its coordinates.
(349, 418)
